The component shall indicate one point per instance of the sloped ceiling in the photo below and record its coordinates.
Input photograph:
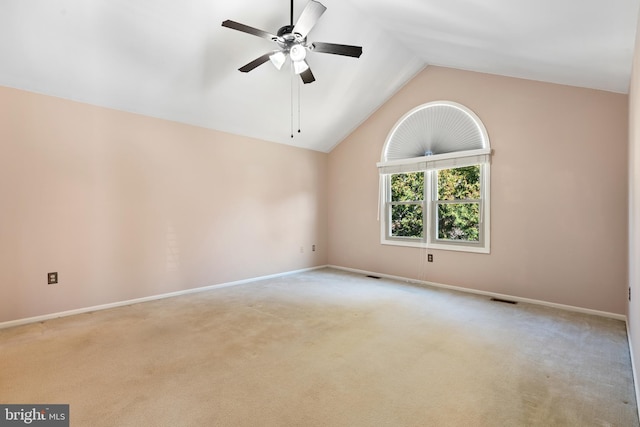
(173, 59)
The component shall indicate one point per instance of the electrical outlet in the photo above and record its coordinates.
(430, 257)
(52, 278)
(301, 249)
(313, 248)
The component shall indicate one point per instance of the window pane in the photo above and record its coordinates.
(459, 221)
(459, 183)
(406, 221)
(407, 187)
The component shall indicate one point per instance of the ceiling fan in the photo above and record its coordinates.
(292, 42)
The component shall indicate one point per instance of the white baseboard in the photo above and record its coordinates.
(24, 321)
(19, 322)
(490, 294)
(633, 370)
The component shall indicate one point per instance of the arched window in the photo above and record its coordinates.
(435, 180)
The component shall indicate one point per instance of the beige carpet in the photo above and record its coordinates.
(325, 348)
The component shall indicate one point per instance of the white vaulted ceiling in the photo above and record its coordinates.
(173, 59)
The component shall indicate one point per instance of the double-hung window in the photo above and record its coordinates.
(436, 195)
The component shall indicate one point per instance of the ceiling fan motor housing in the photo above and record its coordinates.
(287, 29)
(287, 38)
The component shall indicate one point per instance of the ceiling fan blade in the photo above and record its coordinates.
(308, 18)
(255, 63)
(247, 29)
(337, 49)
(307, 76)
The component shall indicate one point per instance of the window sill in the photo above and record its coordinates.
(438, 246)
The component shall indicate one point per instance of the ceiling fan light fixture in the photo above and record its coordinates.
(297, 53)
(300, 66)
(278, 59)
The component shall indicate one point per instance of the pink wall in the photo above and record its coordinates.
(558, 195)
(125, 206)
(633, 315)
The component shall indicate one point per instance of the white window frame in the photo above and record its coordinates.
(429, 204)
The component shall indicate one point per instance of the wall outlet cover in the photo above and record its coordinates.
(52, 278)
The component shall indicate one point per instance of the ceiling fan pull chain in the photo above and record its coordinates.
(299, 89)
(293, 76)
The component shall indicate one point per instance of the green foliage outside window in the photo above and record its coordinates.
(407, 219)
(407, 187)
(459, 221)
(459, 183)
(456, 220)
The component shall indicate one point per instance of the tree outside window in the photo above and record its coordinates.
(407, 205)
(455, 207)
(458, 204)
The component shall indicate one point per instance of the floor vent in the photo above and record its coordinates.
(373, 277)
(506, 301)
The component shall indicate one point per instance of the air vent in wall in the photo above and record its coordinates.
(504, 301)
